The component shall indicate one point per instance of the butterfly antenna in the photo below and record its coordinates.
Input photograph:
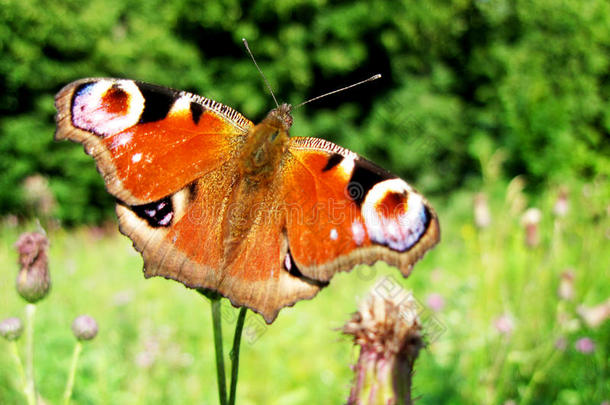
(260, 71)
(370, 79)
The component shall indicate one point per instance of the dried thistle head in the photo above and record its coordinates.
(385, 325)
(33, 279)
(389, 334)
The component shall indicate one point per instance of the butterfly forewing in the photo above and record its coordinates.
(148, 141)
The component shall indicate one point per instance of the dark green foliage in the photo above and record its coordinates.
(459, 79)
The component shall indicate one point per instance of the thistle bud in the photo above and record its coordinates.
(84, 327)
(11, 328)
(388, 332)
(561, 207)
(482, 216)
(566, 285)
(38, 195)
(33, 280)
(530, 220)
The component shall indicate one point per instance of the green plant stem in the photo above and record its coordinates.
(539, 376)
(30, 386)
(15, 353)
(235, 353)
(220, 365)
(70, 383)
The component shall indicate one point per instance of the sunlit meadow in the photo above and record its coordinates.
(515, 303)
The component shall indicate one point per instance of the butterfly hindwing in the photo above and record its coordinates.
(191, 246)
(344, 210)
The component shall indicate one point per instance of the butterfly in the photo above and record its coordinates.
(218, 203)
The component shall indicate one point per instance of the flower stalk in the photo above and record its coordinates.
(84, 328)
(220, 364)
(33, 284)
(30, 385)
(234, 354)
(78, 348)
(20, 370)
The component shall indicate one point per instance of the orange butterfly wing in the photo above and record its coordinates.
(148, 141)
(344, 210)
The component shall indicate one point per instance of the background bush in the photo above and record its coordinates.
(460, 80)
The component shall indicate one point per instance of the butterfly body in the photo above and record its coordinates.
(266, 146)
(216, 202)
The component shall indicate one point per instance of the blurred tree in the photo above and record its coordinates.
(527, 76)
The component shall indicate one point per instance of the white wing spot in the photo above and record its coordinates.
(358, 232)
(347, 165)
(166, 219)
(287, 262)
(89, 113)
(398, 230)
(333, 234)
(136, 157)
(121, 140)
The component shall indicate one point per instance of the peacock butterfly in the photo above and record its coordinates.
(215, 202)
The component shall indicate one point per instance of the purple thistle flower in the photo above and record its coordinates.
(504, 324)
(436, 302)
(585, 345)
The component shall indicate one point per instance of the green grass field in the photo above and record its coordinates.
(502, 334)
